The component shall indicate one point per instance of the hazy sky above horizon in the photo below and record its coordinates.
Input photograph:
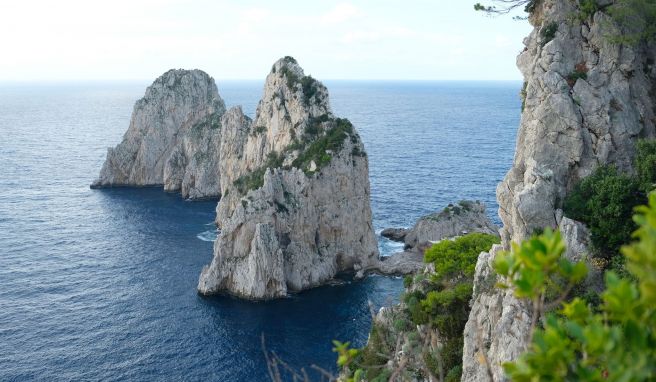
(369, 39)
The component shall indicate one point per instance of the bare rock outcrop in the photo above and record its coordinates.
(295, 209)
(587, 100)
(173, 139)
(455, 220)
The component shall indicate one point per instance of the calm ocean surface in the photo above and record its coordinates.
(100, 284)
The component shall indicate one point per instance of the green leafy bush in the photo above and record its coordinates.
(605, 201)
(440, 300)
(537, 271)
(445, 305)
(645, 164)
(577, 343)
(310, 87)
(455, 258)
(587, 8)
(548, 32)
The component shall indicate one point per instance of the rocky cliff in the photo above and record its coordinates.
(586, 101)
(173, 139)
(295, 209)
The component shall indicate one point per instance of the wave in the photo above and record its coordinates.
(209, 235)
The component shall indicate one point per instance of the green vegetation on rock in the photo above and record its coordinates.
(454, 259)
(615, 341)
(548, 32)
(321, 149)
(255, 179)
(439, 300)
(604, 201)
(212, 121)
(323, 138)
(309, 86)
(443, 301)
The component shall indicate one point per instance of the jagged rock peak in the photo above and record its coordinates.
(173, 138)
(295, 181)
(288, 81)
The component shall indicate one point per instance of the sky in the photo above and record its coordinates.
(60, 40)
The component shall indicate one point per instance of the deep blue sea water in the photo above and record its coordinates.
(100, 284)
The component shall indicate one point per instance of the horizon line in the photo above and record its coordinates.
(73, 80)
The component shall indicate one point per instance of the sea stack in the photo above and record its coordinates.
(173, 139)
(295, 183)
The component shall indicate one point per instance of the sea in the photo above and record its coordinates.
(101, 284)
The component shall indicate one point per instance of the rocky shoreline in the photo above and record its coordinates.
(453, 221)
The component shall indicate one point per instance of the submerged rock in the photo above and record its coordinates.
(173, 139)
(295, 183)
(395, 234)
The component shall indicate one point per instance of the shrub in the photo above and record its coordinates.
(212, 121)
(310, 87)
(580, 72)
(587, 8)
(618, 343)
(333, 140)
(605, 201)
(523, 94)
(645, 164)
(548, 32)
(445, 305)
(456, 258)
(636, 20)
(255, 179)
(258, 130)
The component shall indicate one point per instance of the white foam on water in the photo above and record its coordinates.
(209, 235)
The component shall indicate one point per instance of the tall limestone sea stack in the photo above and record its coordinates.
(173, 139)
(295, 209)
(587, 100)
(294, 182)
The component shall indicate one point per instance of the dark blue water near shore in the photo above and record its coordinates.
(100, 284)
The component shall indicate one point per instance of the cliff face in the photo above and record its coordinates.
(295, 185)
(587, 101)
(173, 139)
